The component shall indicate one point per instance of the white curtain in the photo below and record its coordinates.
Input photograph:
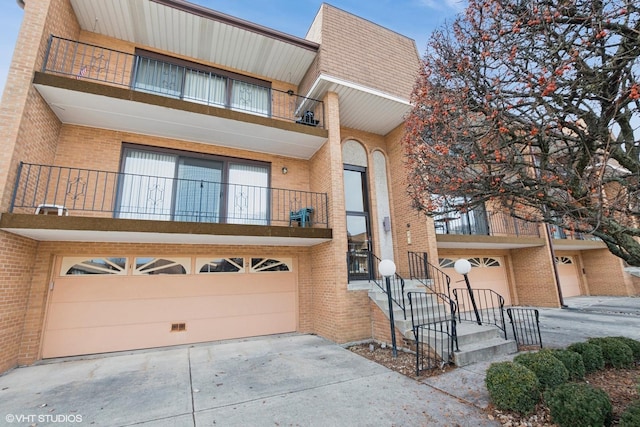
(146, 185)
(159, 77)
(205, 88)
(247, 196)
(250, 98)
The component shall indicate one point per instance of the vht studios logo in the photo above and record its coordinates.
(43, 418)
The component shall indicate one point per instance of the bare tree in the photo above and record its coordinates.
(532, 105)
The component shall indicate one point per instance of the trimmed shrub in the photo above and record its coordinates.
(512, 387)
(614, 351)
(634, 345)
(572, 361)
(631, 416)
(549, 370)
(579, 405)
(591, 355)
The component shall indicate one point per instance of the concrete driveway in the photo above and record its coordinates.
(285, 380)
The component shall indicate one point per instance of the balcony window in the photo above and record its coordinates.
(176, 186)
(193, 82)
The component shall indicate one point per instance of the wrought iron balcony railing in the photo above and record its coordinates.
(202, 85)
(487, 223)
(86, 192)
(559, 233)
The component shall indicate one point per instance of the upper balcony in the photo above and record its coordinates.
(72, 204)
(149, 94)
(481, 229)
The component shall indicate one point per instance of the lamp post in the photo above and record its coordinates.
(463, 266)
(387, 268)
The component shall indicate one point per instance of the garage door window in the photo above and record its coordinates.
(220, 265)
(80, 266)
(269, 264)
(149, 265)
(475, 262)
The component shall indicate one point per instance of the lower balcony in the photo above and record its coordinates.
(63, 203)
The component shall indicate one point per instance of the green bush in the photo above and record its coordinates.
(634, 345)
(591, 355)
(549, 370)
(572, 361)
(512, 387)
(631, 416)
(579, 405)
(614, 351)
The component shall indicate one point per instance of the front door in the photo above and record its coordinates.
(358, 229)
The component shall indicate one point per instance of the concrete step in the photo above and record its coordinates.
(484, 351)
(472, 333)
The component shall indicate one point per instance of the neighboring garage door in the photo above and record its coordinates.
(486, 273)
(568, 275)
(105, 304)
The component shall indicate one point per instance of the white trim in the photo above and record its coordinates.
(356, 86)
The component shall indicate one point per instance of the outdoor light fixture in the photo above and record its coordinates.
(387, 268)
(463, 266)
(284, 170)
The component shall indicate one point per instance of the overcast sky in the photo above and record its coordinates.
(412, 18)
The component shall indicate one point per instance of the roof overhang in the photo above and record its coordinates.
(464, 241)
(86, 229)
(361, 107)
(577, 245)
(194, 31)
(92, 104)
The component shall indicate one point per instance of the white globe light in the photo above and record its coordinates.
(387, 268)
(462, 266)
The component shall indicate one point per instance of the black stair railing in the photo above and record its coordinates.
(433, 321)
(489, 304)
(429, 275)
(525, 323)
(396, 284)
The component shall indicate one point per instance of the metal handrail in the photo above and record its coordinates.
(487, 223)
(525, 323)
(489, 304)
(429, 275)
(396, 284)
(202, 85)
(433, 320)
(134, 196)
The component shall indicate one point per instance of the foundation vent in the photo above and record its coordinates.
(178, 327)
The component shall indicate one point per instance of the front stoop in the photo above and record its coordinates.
(480, 343)
(477, 343)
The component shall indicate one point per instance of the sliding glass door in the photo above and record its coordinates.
(166, 186)
(198, 190)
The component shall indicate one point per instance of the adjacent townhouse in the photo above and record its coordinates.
(171, 175)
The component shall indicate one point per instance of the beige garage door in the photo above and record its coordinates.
(568, 275)
(486, 273)
(105, 304)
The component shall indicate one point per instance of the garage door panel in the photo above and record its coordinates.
(78, 341)
(128, 312)
(103, 313)
(92, 289)
(568, 275)
(492, 275)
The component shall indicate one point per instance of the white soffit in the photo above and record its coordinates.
(173, 238)
(104, 112)
(361, 107)
(147, 23)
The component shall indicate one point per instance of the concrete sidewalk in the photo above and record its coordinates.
(279, 380)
